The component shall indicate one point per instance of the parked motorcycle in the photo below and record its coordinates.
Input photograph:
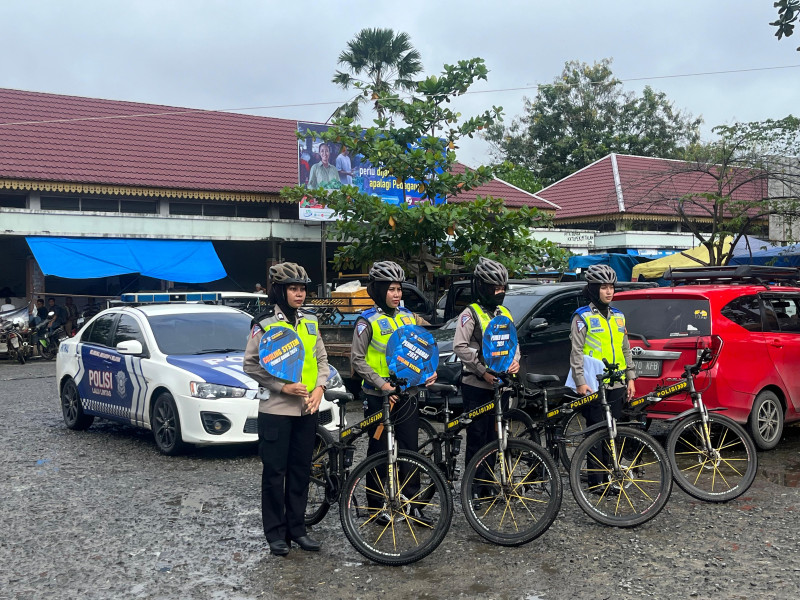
(48, 343)
(11, 341)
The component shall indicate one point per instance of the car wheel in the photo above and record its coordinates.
(72, 407)
(766, 420)
(167, 426)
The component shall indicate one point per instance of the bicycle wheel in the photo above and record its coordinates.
(425, 436)
(519, 423)
(629, 496)
(318, 504)
(720, 474)
(566, 448)
(400, 530)
(523, 508)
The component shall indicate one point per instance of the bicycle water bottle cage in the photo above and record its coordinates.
(456, 447)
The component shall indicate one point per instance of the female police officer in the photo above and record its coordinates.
(287, 416)
(488, 289)
(373, 329)
(598, 330)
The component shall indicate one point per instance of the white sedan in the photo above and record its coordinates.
(175, 369)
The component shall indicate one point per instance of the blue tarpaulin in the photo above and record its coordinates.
(85, 258)
(780, 256)
(621, 263)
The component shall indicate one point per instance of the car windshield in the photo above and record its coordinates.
(519, 305)
(664, 318)
(201, 333)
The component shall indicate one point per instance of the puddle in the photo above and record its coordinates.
(781, 466)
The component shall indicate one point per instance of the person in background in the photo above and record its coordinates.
(38, 313)
(287, 412)
(7, 306)
(92, 308)
(58, 318)
(72, 314)
(259, 289)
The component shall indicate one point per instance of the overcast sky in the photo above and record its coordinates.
(229, 54)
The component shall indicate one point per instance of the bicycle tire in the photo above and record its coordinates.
(627, 498)
(396, 533)
(522, 510)
(520, 423)
(318, 504)
(574, 424)
(725, 474)
(426, 434)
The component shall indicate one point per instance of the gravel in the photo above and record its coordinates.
(101, 514)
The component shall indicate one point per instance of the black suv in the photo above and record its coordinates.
(542, 314)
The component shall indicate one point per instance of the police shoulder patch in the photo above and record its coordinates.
(464, 318)
(256, 331)
(360, 327)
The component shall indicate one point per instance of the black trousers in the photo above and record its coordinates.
(481, 431)
(285, 445)
(594, 413)
(405, 417)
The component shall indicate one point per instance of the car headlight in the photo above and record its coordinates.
(201, 389)
(335, 381)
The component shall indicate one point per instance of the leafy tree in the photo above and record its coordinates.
(523, 178)
(584, 115)
(428, 237)
(387, 61)
(788, 13)
(754, 174)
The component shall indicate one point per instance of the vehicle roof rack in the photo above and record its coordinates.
(758, 274)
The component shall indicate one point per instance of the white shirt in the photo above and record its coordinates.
(7, 307)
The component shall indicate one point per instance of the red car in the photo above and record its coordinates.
(753, 329)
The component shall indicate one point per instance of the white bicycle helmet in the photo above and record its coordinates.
(386, 270)
(491, 272)
(601, 274)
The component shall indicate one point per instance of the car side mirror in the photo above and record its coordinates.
(538, 323)
(133, 347)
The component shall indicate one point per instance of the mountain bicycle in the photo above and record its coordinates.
(511, 490)
(619, 475)
(395, 506)
(712, 457)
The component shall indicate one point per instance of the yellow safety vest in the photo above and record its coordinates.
(382, 328)
(307, 330)
(604, 336)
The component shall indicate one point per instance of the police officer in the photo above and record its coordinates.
(287, 412)
(489, 285)
(373, 329)
(598, 330)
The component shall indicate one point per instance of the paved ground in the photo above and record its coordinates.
(101, 514)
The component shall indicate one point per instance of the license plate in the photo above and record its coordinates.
(647, 368)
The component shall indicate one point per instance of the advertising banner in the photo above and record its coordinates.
(331, 166)
(280, 353)
(499, 344)
(412, 354)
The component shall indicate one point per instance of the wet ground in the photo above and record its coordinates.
(101, 514)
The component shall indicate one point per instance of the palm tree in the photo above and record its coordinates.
(386, 61)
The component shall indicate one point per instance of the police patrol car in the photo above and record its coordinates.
(175, 369)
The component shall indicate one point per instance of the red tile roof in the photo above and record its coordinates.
(65, 138)
(50, 137)
(512, 196)
(646, 186)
